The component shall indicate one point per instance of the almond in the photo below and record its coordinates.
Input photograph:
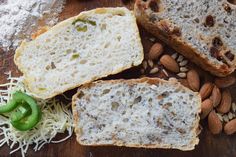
(214, 123)
(225, 103)
(155, 51)
(206, 90)
(225, 81)
(169, 63)
(216, 96)
(184, 82)
(230, 127)
(206, 107)
(193, 80)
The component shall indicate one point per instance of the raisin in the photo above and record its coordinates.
(209, 21)
(217, 42)
(229, 55)
(153, 6)
(176, 31)
(227, 8)
(215, 53)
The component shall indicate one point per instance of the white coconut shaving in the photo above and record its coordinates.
(20, 18)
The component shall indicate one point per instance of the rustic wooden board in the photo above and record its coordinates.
(209, 146)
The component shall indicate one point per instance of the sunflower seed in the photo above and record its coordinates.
(180, 58)
(226, 118)
(233, 106)
(152, 39)
(230, 115)
(183, 69)
(154, 70)
(220, 116)
(183, 63)
(150, 63)
(181, 75)
(144, 64)
(174, 56)
(165, 72)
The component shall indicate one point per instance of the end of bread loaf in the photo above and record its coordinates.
(148, 113)
(203, 31)
(92, 45)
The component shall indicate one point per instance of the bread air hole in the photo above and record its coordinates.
(105, 91)
(137, 100)
(232, 2)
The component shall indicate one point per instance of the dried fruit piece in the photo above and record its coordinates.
(214, 123)
(193, 80)
(225, 103)
(216, 96)
(206, 90)
(169, 63)
(225, 82)
(155, 51)
(230, 127)
(206, 107)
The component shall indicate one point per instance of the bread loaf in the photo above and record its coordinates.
(81, 49)
(149, 113)
(203, 31)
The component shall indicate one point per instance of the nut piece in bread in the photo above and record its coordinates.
(147, 112)
(92, 45)
(203, 31)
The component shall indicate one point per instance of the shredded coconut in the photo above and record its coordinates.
(19, 18)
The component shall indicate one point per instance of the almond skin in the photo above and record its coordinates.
(206, 90)
(230, 127)
(214, 123)
(216, 96)
(225, 81)
(193, 80)
(169, 63)
(225, 103)
(155, 51)
(206, 108)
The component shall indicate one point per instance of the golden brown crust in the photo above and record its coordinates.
(161, 30)
(151, 81)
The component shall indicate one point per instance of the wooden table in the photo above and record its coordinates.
(209, 146)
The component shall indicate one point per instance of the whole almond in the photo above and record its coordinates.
(193, 80)
(169, 63)
(214, 123)
(225, 103)
(206, 108)
(184, 82)
(225, 81)
(155, 51)
(215, 96)
(206, 90)
(230, 127)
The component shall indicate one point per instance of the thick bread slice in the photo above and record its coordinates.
(81, 49)
(204, 31)
(149, 113)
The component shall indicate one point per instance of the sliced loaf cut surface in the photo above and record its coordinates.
(204, 31)
(81, 49)
(149, 113)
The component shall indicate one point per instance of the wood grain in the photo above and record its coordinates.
(209, 146)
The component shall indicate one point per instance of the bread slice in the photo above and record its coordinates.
(203, 31)
(149, 113)
(81, 49)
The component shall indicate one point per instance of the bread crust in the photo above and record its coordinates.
(151, 81)
(177, 43)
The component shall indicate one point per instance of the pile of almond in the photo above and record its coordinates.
(216, 102)
(217, 105)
